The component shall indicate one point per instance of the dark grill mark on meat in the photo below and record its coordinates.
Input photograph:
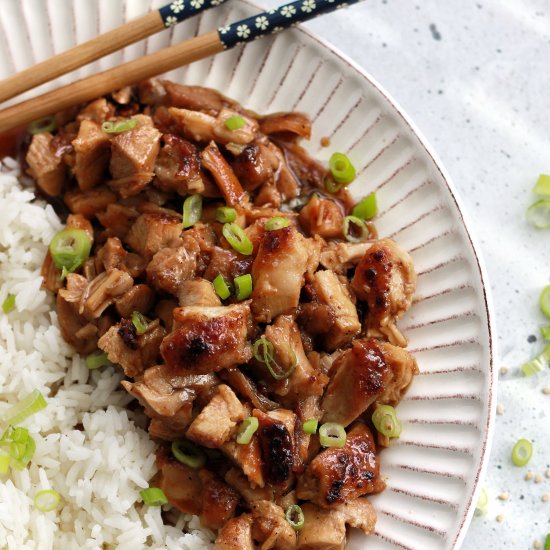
(273, 240)
(197, 346)
(334, 493)
(277, 453)
(127, 332)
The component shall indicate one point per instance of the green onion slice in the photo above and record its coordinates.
(226, 214)
(385, 421)
(47, 500)
(221, 287)
(544, 301)
(237, 238)
(538, 214)
(97, 360)
(542, 187)
(355, 229)
(20, 446)
(243, 286)
(140, 322)
(46, 124)
(153, 496)
(264, 352)
(9, 303)
(28, 406)
(538, 364)
(341, 169)
(482, 503)
(189, 454)
(522, 452)
(277, 222)
(545, 333)
(367, 208)
(235, 122)
(547, 542)
(118, 127)
(310, 426)
(192, 210)
(332, 186)
(70, 248)
(247, 429)
(332, 434)
(295, 516)
(5, 461)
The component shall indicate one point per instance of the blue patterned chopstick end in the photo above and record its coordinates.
(179, 10)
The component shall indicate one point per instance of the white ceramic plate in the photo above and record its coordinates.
(433, 469)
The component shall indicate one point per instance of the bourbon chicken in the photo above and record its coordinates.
(253, 320)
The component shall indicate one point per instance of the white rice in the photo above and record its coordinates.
(98, 470)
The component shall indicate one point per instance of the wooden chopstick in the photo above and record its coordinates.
(100, 46)
(245, 30)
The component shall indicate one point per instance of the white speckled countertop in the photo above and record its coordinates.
(475, 78)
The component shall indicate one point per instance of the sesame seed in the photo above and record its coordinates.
(500, 409)
(503, 370)
(528, 476)
(546, 497)
(537, 545)
(500, 518)
(503, 496)
(538, 478)
(546, 391)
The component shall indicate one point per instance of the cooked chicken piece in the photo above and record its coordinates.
(97, 111)
(133, 155)
(89, 203)
(117, 219)
(178, 166)
(215, 163)
(78, 221)
(208, 339)
(110, 255)
(287, 184)
(122, 96)
(151, 92)
(198, 292)
(195, 125)
(255, 166)
(338, 475)
(227, 263)
(164, 310)
(44, 165)
(322, 217)
(236, 479)
(75, 288)
(308, 170)
(249, 458)
(195, 98)
(270, 526)
(133, 352)
(240, 136)
(278, 273)
(304, 380)
(386, 280)
(326, 529)
(92, 149)
(151, 232)
(51, 276)
(236, 534)
(307, 409)
(75, 329)
(339, 257)
(247, 389)
(298, 124)
(371, 371)
(219, 501)
(169, 267)
(331, 292)
(217, 422)
(139, 298)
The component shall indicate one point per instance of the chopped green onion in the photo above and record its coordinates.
(367, 208)
(295, 516)
(46, 124)
(4, 464)
(332, 434)
(47, 500)
(192, 210)
(9, 303)
(235, 122)
(140, 322)
(267, 356)
(522, 452)
(28, 406)
(189, 454)
(237, 238)
(538, 364)
(355, 230)
(341, 169)
(544, 301)
(332, 186)
(70, 248)
(538, 214)
(545, 333)
(20, 446)
(277, 222)
(482, 503)
(542, 187)
(221, 287)
(97, 360)
(310, 426)
(118, 127)
(247, 429)
(153, 496)
(226, 214)
(547, 542)
(243, 286)
(385, 421)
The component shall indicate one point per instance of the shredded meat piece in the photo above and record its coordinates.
(139, 298)
(195, 98)
(169, 267)
(44, 165)
(270, 526)
(322, 217)
(291, 123)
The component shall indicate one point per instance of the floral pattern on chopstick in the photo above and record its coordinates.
(179, 10)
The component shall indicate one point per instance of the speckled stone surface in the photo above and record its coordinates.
(475, 78)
